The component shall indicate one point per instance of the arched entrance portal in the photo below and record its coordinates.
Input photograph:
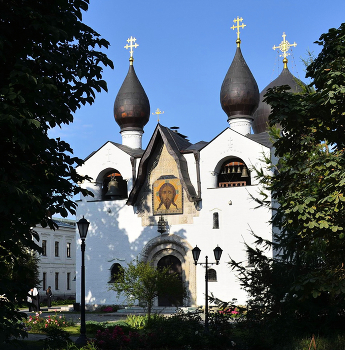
(174, 246)
(175, 266)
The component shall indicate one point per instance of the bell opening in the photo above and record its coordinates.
(114, 187)
(234, 173)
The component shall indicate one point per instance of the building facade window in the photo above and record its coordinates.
(114, 272)
(212, 275)
(44, 281)
(56, 281)
(56, 248)
(215, 220)
(68, 252)
(68, 280)
(44, 247)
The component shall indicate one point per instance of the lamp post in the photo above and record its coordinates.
(217, 254)
(83, 226)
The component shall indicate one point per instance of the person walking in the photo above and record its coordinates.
(29, 299)
(49, 296)
(36, 299)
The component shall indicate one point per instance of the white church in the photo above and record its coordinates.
(157, 203)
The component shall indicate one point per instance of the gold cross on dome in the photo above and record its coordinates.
(238, 26)
(284, 48)
(158, 112)
(130, 41)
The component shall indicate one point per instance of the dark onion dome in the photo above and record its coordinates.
(239, 95)
(131, 107)
(260, 123)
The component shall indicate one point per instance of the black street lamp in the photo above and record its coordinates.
(217, 254)
(83, 226)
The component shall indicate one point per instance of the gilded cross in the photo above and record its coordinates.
(130, 41)
(158, 112)
(238, 26)
(284, 48)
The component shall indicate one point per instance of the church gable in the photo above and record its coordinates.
(164, 190)
(228, 160)
(174, 145)
(108, 163)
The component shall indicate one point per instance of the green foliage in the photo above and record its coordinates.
(179, 331)
(137, 321)
(40, 324)
(63, 302)
(109, 308)
(301, 289)
(92, 326)
(49, 67)
(309, 182)
(57, 338)
(141, 281)
(116, 338)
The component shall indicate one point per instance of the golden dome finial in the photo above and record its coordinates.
(238, 26)
(158, 112)
(284, 48)
(131, 40)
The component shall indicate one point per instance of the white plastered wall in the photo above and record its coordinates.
(116, 233)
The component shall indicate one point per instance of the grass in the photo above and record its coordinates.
(91, 328)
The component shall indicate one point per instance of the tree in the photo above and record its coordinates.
(309, 182)
(49, 67)
(141, 281)
(305, 280)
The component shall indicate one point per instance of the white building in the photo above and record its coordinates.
(57, 262)
(210, 184)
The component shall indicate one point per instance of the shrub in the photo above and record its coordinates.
(57, 338)
(137, 321)
(41, 324)
(116, 338)
(109, 308)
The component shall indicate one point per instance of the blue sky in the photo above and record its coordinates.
(185, 49)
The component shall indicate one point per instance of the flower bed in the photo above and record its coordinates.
(39, 324)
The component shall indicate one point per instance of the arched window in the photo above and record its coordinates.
(115, 270)
(215, 220)
(234, 173)
(212, 275)
(113, 186)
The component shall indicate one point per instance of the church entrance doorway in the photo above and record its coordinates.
(174, 265)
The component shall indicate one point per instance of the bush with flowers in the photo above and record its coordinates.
(109, 308)
(232, 311)
(39, 324)
(116, 339)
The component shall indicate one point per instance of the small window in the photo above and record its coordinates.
(56, 248)
(115, 270)
(44, 280)
(212, 275)
(68, 250)
(215, 220)
(44, 247)
(56, 281)
(68, 280)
